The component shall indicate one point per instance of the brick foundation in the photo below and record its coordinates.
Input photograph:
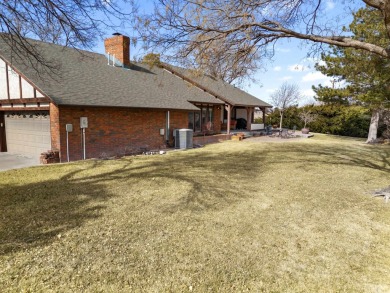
(207, 139)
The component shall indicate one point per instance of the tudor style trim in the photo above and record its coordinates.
(6, 78)
(21, 77)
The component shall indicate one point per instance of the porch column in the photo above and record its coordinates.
(249, 111)
(263, 110)
(229, 110)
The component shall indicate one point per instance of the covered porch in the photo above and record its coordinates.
(242, 117)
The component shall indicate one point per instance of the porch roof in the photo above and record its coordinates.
(218, 88)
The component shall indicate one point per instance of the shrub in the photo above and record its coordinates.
(333, 119)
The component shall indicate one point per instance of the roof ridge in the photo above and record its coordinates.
(54, 44)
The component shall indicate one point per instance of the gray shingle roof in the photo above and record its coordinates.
(225, 91)
(85, 79)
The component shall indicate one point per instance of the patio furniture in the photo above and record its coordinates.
(233, 124)
(292, 133)
(241, 123)
(268, 130)
(284, 133)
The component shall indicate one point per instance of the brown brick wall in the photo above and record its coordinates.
(178, 120)
(217, 118)
(115, 131)
(54, 127)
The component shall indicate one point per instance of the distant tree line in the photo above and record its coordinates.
(357, 103)
(351, 120)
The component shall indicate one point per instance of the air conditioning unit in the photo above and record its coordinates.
(183, 138)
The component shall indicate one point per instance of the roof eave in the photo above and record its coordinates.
(252, 105)
(130, 107)
(204, 102)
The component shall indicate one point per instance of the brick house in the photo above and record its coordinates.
(127, 106)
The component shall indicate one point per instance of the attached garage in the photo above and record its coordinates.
(27, 133)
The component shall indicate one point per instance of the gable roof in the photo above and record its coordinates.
(85, 79)
(224, 91)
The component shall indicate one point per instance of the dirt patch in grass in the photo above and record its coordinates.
(230, 217)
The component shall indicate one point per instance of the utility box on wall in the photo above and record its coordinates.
(83, 122)
(69, 127)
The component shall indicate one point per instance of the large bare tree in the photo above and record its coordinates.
(71, 23)
(235, 31)
(284, 97)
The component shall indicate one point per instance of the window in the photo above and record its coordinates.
(191, 120)
(201, 120)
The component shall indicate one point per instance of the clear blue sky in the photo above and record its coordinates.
(290, 62)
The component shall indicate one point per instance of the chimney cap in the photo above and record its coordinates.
(116, 34)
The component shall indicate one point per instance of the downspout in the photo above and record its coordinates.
(84, 148)
(3, 142)
(167, 128)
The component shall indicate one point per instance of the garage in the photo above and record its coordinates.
(27, 133)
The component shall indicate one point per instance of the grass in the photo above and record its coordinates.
(231, 217)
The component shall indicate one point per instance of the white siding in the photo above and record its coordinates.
(3, 81)
(13, 78)
(27, 90)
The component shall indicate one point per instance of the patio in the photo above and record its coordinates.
(260, 134)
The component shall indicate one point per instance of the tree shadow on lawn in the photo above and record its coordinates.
(34, 214)
(365, 156)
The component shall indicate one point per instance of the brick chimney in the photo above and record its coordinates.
(119, 46)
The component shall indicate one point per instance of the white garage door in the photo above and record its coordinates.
(28, 133)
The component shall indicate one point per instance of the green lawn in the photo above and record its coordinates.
(244, 216)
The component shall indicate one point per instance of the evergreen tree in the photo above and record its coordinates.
(366, 75)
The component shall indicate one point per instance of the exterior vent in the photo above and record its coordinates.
(183, 138)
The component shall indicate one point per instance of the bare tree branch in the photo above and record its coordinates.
(71, 23)
(245, 31)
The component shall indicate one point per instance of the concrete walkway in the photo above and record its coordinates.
(12, 161)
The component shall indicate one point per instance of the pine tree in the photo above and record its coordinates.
(366, 76)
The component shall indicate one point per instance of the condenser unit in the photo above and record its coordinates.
(183, 138)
